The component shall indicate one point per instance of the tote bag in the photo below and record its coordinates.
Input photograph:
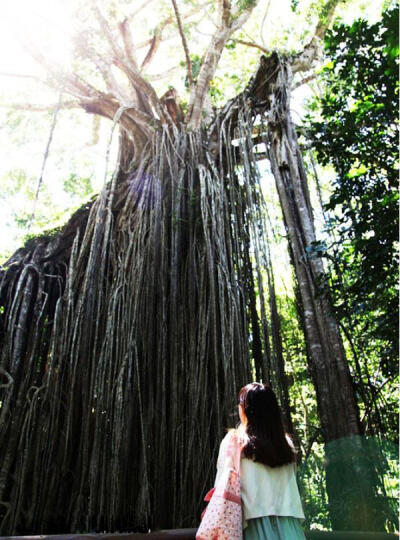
(222, 519)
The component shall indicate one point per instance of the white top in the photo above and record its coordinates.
(265, 491)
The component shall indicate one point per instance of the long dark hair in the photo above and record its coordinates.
(267, 442)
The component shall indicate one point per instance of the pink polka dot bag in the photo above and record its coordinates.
(222, 519)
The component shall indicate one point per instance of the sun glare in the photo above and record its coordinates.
(44, 24)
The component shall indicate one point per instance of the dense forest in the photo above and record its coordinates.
(198, 195)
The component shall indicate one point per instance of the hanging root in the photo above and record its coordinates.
(126, 338)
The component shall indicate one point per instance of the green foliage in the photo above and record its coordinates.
(242, 5)
(18, 192)
(31, 240)
(231, 44)
(294, 4)
(219, 84)
(311, 480)
(195, 60)
(353, 126)
(80, 188)
(216, 90)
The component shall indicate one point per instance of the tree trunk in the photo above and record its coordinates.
(125, 340)
(350, 478)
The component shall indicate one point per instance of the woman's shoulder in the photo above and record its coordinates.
(236, 436)
(231, 434)
(228, 443)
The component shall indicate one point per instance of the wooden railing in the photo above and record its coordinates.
(190, 534)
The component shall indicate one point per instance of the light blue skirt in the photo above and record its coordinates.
(273, 528)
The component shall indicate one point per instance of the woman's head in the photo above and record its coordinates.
(261, 415)
(259, 403)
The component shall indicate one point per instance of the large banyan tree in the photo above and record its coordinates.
(126, 336)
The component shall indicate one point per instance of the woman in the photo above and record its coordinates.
(271, 503)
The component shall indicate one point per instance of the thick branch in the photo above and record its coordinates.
(147, 97)
(103, 64)
(112, 85)
(146, 94)
(145, 91)
(128, 42)
(305, 60)
(135, 121)
(240, 17)
(326, 17)
(138, 125)
(107, 31)
(225, 7)
(312, 52)
(211, 58)
(154, 45)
